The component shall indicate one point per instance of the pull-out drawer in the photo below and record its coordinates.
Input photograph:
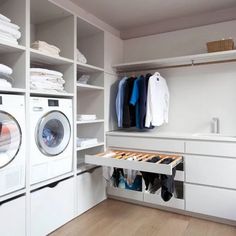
(121, 159)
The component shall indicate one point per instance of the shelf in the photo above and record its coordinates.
(86, 68)
(47, 182)
(91, 146)
(43, 58)
(12, 90)
(90, 122)
(198, 59)
(8, 47)
(86, 87)
(51, 94)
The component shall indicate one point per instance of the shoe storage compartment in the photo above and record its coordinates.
(51, 207)
(119, 158)
(12, 212)
(91, 189)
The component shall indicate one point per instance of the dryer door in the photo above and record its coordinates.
(10, 138)
(53, 133)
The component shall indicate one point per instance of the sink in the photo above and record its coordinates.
(213, 135)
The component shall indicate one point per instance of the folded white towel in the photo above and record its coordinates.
(7, 77)
(45, 47)
(38, 78)
(47, 85)
(5, 84)
(5, 69)
(80, 57)
(4, 18)
(41, 71)
(83, 117)
(10, 25)
(7, 38)
(5, 29)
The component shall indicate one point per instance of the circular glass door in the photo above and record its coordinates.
(10, 138)
(53, 133)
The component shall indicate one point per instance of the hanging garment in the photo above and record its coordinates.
(116, 176)
(157, 101)
(130, 175)
(120, 101)
(128, 110)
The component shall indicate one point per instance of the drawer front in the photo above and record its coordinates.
(211, 201)
(52, 207)
(215, 171)
(91, 189)
(12, 217)
(143, 165)
(211, 148)
(140, 143)
(157, 200)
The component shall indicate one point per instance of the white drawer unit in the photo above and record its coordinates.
(211, 201)
(215, 171)
(91, 189)
(145, 143)
(12, 217)
(227, 149)
(119, 158)
(51, 207)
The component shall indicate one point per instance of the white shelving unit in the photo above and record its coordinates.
(86, 87)
(90, 121)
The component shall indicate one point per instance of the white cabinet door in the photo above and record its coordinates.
(91, 189)
(215, 171)
(51, 207)
(211, 201)
(12, 217)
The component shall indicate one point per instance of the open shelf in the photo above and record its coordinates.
(91, 146)
(43, 58)
(12, 90)
(6, 47)
(85, 87)
(198, 59)
(86, 68)
(51, 94)
(90, 122)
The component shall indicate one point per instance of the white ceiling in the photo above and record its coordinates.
(126, 15)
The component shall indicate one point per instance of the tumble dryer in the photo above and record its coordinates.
(12, 143)
(51, 138)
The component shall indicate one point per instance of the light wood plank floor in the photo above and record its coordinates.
(115, 218)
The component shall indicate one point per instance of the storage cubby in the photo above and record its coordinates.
(90, 42)
(53, 25)
(16, 11)
(16, 61)
(95, 81)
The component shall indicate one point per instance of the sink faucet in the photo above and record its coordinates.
(215, 125)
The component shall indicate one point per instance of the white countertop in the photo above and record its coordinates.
(170, 135)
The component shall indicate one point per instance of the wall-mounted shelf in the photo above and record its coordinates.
(198, 59)
(86, 68)
(90, 122)
(91, 146)
(7, 47)
(12, 90)
(85, 87)
(51, 94)
(40, 57)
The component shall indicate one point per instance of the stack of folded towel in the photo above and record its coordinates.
(80, 57)
(43, 79)
(84, 142)
(9, 32)
(86, 117)
(6, 80)
(46, 48)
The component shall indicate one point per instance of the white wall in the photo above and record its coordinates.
(197, 93)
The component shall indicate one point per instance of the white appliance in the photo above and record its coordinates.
(51, 141)
(12, 143)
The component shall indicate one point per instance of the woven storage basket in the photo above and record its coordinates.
(220, 45)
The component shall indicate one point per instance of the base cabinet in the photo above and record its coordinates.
(12, 217)
(51, 207)
(211, 201)
(91, 189)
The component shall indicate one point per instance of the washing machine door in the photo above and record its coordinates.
(10, 138)
(53, 133)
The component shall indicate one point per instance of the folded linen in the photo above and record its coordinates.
(6, 77)
(5, 69)
(8, 24)
(4, 18)
(84, 79)
(5, 84)
(39, 78)
(83, 117)
(83, 142)
(41, 71)
(45, 47)
(46, 85)
(5, 29)
(8, 38)
(80, 57)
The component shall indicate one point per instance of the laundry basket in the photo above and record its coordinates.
(220, 45)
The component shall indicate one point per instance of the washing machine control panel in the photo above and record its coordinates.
(53, 103)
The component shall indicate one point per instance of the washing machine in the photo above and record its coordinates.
(51, 144)
(12, 143)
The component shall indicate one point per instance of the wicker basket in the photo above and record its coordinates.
(220, 45)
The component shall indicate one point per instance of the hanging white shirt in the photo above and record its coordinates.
(157, 101)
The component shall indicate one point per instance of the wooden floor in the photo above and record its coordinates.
(115, 218)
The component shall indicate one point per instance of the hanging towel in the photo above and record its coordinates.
(5, 69)
(4, 18)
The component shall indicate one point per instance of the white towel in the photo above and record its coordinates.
(5, 84)
(10, 25)
(8, 38)
(41, 71)
(5, 29)
(4, 18)
(80, 57)
(46, 48)
(83, 117)
(46, 85)
(5, 69)
(38, 78)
